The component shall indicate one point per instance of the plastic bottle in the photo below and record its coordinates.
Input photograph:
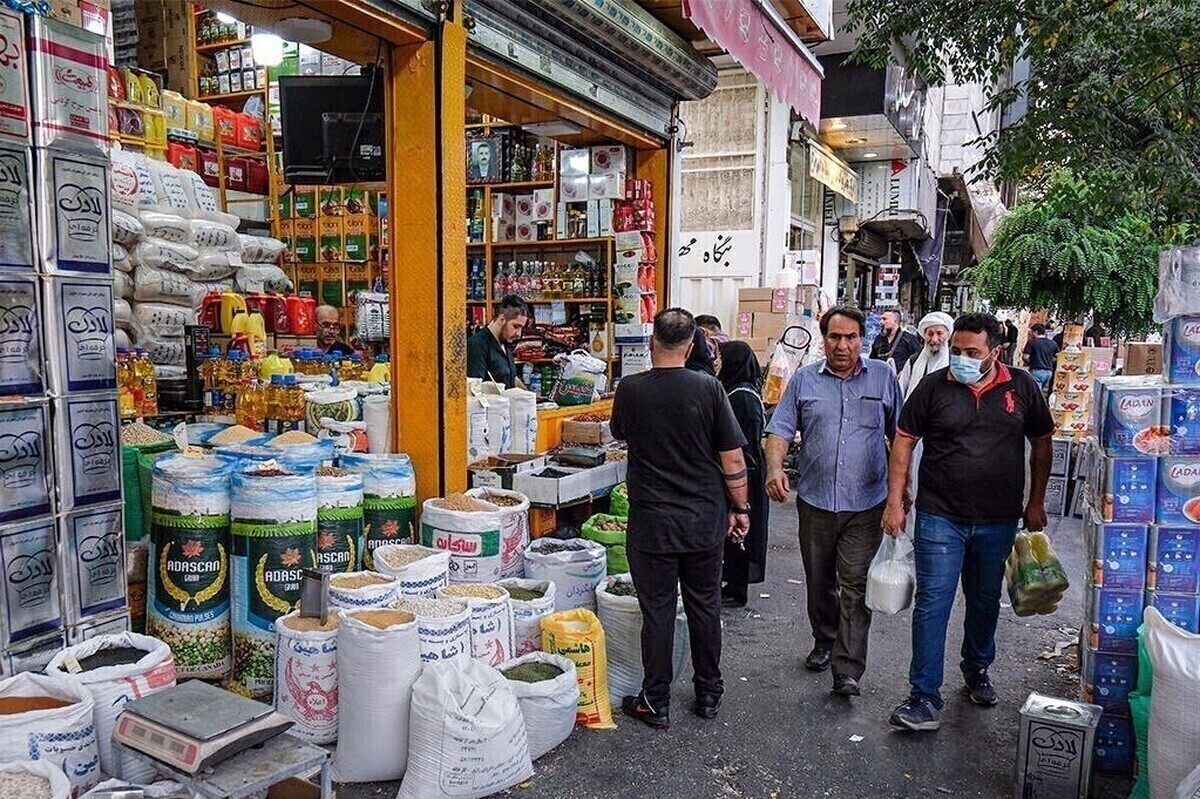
(292, 405)
(332, 366)
(256, 332)
(274, 364)
(272, 403)
(353, 368)
(143, 372)
(381, 370)
(126, 404)
(231, 303)
(249, 408)
(232, 380)
(209, 374)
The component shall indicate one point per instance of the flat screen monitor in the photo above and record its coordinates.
(312, 147)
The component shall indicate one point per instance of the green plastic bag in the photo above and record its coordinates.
(1139, 709)
(137, 514)
(618, 503)
(145, 475)
(613, 541)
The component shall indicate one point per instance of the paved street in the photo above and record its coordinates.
(782, 735)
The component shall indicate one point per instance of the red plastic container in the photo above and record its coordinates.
(210, 311)
(249, 132)
(275, 310)
(254, 302)
(258, 179)
(302, 315)
(210, 166)
(235, 174)
(226, 123)
(183, 156)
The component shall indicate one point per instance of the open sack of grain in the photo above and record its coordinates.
(33, 779)
(491, 620)
(306, 683)
(547, 689)
(484, 539)
(575, 566)
(420, 570)
(352, 590)
(531, 601)
(619, 612)
(46, 718)
(443, 627)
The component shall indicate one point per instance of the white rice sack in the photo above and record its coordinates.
(163, 351)
(347, 591)
(169, 372)
(161, 320)
(212, 265)
(160, 253)
(420, 570)
(159, 285)
(203, 201)
(122, 340)
(1174, 731)
(123, 285)
(214, 235)
(123, 183)
(262, 277)
(260, 249)
(491, 619)
(169, 187)
(33, 778)
(64, 736)
(126, 228)
(121, 259)
(203, 287)
(549, 706)
(122, 313)
(443, 627)
(306, 688)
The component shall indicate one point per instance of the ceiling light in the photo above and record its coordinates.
(837, 124)
(267, 49)
(870, 155)
(305, 30)
(226, 19)
(558, 127)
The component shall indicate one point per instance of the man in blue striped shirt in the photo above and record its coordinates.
(845, 410)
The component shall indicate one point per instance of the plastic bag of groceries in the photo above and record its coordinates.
(1035, 576)
(580, 380)
(892, 577)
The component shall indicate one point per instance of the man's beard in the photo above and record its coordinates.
(933, 351)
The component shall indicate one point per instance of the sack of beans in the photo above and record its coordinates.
(378, 662)
(531, 600)
(115, 669)
(339, 519)
(443, 627)
(491, 620)
(547, 690)
(353, 590)
(619, 612)
(575, 566)
(187, 579)
(609, 531)
(306, 685)
(468, 736)
(33, 779)
(389, 499)
(273, 524)
(514, 527)
(472, 531)
(47, 718)
(420, 570)
(578, 636)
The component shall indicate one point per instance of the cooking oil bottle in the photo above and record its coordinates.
(248, 410)
(143, 372)
(208, 380)
(126, 404)
(291, 405)
(231, 380)
(381, 371)
(273, 403)
(353, 368)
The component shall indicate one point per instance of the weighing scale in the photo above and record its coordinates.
(194, 726)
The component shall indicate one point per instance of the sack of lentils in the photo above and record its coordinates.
(531, 600)
(274, 529)
(339, 519)
(187, 575)
(389, 500)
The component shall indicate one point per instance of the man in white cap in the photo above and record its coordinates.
(935, 331)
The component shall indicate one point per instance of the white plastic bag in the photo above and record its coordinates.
(162, 320)
(260, 249)
(523, 421)
(621, 618)
(1190, 787)
(468, 735)
(549, 706)
(122, 313)
(376, 671)
(123, 285)
(374, 595)
(262, 277)
(418, 578)
(160, 227)
(892, 577)
(443, 626)
(65, 736)
(581, 378)
(1174, 730)
(528, 614)
(377, 413)
(575, 572)
(306, 686)
(491, 620)
(60, 786)
(159, 285)
(214, 236)
(126, 228)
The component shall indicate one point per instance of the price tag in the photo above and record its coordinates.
(181, 436)
(72, 664)
(235, 260)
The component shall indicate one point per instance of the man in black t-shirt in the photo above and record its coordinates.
(1039, 356)
(973, 419)
(687, 493)
(894, 343)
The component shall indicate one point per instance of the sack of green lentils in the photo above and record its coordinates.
(389, 500)
(273, 516)
(609, 531)
(187, 574)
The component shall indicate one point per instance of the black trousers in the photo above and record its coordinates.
(658, 577)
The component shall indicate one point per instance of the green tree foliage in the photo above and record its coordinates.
(1114, 91)
(1057, 254)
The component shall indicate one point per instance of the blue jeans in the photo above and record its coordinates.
(1042, 377)
(944, 550)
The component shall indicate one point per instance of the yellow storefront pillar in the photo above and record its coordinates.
(427, 213)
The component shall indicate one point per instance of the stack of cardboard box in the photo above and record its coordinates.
(165, 43)
(764, 314)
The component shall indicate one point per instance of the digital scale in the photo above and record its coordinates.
(195, 726)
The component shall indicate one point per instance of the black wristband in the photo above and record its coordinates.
(739, 511)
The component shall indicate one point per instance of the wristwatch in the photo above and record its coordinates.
(745, 511)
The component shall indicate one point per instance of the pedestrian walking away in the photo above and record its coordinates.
(845, 409)
(687, 494)
(973, 418)
(1039, 355)
(746, 561)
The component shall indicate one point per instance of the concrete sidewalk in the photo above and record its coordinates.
(783, 735)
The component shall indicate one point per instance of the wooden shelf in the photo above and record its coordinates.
(208, 48)
(527, 184)
(551, 243)
(231, 95)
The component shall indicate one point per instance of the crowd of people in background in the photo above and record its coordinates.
(935, 419)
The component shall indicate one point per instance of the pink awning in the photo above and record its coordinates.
(764, 46)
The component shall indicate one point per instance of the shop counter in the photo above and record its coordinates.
(550, 421)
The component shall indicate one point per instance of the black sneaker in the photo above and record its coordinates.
(916, 714)
(980, 689)
(707, 705)
(638, 708)
(845, 685)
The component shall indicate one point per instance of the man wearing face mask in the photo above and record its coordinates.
(973, 419)
(934, 329)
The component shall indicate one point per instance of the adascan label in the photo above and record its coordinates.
(386, 520)
(339, 532)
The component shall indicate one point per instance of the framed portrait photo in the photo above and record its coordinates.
(484, 161)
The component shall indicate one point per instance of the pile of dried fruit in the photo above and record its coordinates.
(591, 417)
(552, 474)
(502, 500)
(611, 525)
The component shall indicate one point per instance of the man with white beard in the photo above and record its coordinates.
(935, 330)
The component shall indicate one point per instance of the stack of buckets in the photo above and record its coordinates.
(1143, 526)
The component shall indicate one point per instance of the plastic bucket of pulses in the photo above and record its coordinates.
(274, 530)
(187, 579)
(1178, 491)
(389, 500)
(339, 519)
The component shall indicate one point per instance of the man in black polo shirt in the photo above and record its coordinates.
(490, 349)
(1040, 353)
(974, 419)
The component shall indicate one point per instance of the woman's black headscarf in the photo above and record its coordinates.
(739, 366)
(700, 359)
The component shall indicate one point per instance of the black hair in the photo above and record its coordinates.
(512, 306)
(981, 323)
(674, 328)
(1039, 328)
(709, 321)
(894, 312)
(848, 311)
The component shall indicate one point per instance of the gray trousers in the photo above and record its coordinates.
(837, 549)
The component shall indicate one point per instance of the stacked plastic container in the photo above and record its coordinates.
(61, 540)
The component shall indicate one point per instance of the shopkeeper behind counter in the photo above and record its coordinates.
(329, 326)
(490, 349)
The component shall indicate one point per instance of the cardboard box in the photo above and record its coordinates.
(576, 432)
(633, 333)
(611, 159)
(769, 325)
(543, 205)
(330, 201)
(608, 186)
(498, 471)
(573, 189)
(332, 245)
(577, 484)
(573, 163)
(523, 205)
(744, 325)
(360, 233)
(306, 240)
(608, 475)
(1143, 358)
(756, 306)
(634, 359)
(66, 11)
(304, 201)
(755, 295)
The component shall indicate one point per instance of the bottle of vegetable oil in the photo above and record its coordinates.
(273, 404)
(143, 372)
(126, 404)
(292, 405)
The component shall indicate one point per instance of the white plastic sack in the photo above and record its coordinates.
(499, 424)
(375, 595)
(418, 578)
(523, 420)
(477, 430)
(548, 707)
(1190, 787)
(162, 351)
(60, 786)
(306, 682)
(122, 261)
(1174, 730)
(126, 228)
(203, 201)
(892, 577)
(161, 320)
(168, 183)
(159, 285)
(468, 735)
(528, 614)
(122, 340)
(376, 672)
(123, 184)
(169, 228)
(163, 789)
(514, 527)
(621, 618)
(163, 254)
(377, 413)
(339, 403)
(122, 313)
(575, 573)
(476, 541)
(491, 622)
(262, 277)
(443, 627)
(65, 736)
(112, 686)
(260, 249)
(208, 235)
(1178, 284)
(123, 285)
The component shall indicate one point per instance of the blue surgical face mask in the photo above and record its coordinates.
(966, 370)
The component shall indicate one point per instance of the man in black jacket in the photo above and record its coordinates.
(894, 343)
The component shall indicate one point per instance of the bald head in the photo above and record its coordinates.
(328, 325)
